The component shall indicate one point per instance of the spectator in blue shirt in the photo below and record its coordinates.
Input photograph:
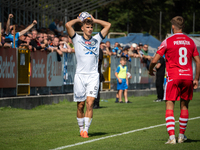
(125, 53)
(10, 32)
(53, 27)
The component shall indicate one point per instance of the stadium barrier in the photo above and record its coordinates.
(42, 73)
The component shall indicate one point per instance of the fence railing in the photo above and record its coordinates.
(47, 74)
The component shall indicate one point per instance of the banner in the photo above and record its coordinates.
(38, 68)
(8, 68)
(54, 70)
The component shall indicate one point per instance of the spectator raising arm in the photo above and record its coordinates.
(28, 28)
(8, 24)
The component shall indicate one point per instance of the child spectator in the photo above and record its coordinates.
(122, 80)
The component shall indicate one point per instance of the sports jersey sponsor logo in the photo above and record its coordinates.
(181, 42)
(181, 70)
(90, 46)
(87, 42)
(184, 74)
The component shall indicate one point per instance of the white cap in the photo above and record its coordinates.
(134, 45)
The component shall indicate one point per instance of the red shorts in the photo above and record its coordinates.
(178, 88)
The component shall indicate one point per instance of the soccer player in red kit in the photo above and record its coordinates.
(179, 50)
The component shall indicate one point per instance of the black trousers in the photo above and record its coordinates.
(159, 86)
(96, 101)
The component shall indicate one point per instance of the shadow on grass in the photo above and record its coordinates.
(96, 134)
(100, 107)
(191, 141)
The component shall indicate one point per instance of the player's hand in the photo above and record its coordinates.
(93, 19)
(120, 81)
(195, 83)
(35, 22)
(79, 19)
(10, 16)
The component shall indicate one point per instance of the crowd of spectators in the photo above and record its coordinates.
(135, 50)
(53, 39)
(44, 39)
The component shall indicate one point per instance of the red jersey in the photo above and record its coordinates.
(179, 50)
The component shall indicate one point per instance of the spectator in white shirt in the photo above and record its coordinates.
(60, 27)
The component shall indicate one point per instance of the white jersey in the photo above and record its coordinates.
(87, 53)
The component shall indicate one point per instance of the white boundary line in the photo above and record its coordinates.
(102, 138)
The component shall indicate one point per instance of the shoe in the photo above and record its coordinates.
(181, 140)
(81, 132)
(85, 134)
(116, 101)
(95, 107)
(158, 100)
(128, 102)
(121, 102)
(173, 141)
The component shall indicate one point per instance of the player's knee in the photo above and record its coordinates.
(89, 105)
(80, 108)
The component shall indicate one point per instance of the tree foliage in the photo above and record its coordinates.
(135, 16)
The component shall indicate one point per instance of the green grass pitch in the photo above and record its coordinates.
(52, 126)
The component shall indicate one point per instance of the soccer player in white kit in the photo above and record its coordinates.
(86, 80)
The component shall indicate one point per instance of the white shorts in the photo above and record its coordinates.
(85, 85)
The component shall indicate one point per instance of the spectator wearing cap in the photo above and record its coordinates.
(133, 52)
(140, 45)
(125, 53)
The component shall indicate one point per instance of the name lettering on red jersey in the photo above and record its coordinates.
(181, 42)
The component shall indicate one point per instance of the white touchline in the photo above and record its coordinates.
(102, 138)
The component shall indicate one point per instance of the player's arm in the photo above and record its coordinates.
(196, 79)
(106, 26)
(69, 27)
(8, 24)
(153, 63)
(28, 28)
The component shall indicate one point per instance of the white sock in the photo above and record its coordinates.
(80, 123)
(172, 137)
(181, 135)
(87, 123)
